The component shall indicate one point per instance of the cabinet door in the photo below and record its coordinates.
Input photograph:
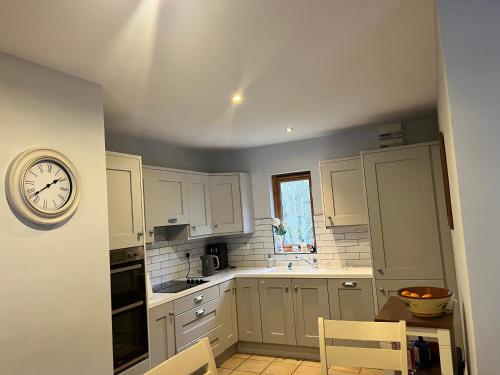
(124, 201)
(402, 210)
(248, 308)
(351, 299)
(161, 333)
(229, 328)
(343, 192)
(165, 198)
(388, 288)
(310, 301)
(226, 203)
(276, 303)
(200, 216)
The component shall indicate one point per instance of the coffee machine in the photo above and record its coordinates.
(220, 251)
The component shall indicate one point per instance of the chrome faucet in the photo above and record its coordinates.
(313, 263)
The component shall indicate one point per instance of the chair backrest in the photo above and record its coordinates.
(384, 359)
(187, 362)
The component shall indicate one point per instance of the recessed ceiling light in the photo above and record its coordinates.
(237, 98)
(289, 130)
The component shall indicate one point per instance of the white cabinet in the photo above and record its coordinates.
(276, 303)
(403, 218)
(229, 329)
(125, 221)
(165, 198)
(226, 203)
(200, 214)
(351, 299)
(248, 308)
(161, 333)
(310, 301)
(343, 192)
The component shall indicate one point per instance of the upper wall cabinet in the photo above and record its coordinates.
(403, 219)
(344, 200)
(123, 174)
(165, 198)
(200, 214)
(232, 203)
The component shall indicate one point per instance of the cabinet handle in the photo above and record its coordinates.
(286, 288)
(172, 221)
(140, 234)
(198, 299)
(296, 288)
(151, 232)
(171, 315)
(349, 284)
(382, 290)
(199, 312)
(380, 270)
(216, 226)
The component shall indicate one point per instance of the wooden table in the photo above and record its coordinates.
(440, 328)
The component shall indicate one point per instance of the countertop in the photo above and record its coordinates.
(156, 299)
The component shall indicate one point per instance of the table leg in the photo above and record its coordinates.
(445, 351)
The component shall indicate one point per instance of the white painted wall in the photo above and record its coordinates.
(54, 291)
(469, 113)
(263, 162)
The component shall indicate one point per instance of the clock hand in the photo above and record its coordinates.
(46, 187)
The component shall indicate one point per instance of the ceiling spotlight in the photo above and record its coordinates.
(237, 98)
(289, 130)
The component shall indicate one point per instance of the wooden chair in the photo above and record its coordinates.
(383, 359)
(190, 361)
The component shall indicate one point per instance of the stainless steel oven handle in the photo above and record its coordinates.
(128, 307)
(124, 269)
(198, 299)
(200, 312)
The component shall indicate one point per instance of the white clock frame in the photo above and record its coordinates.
(15, 194)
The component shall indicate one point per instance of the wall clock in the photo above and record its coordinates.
(43, 187)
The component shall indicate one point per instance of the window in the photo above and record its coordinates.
(293, 206)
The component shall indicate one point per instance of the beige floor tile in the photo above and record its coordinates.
(252, 365)
(307, 370)
(240, 355)
(277, 368)
(289, 361)
(371, 371)
(232, 363)
(263, 358)
(342, 370)
(238, 372)
(224, 371)
(310, 363)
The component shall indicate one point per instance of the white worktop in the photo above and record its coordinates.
(157, 299)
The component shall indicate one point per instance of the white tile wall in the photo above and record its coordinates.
(339, 246)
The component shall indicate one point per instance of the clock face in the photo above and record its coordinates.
(47, 186)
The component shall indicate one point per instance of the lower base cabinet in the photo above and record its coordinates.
(351, 299)
(248, 308)
(229, 328)
(388, 288)
(161, 333)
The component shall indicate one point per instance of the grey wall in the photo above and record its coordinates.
(55, 314)
(469, 112)
(159, 153)
(263, 162)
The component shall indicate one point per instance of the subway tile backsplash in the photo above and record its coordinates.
(340, 246)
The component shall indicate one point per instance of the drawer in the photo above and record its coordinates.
(197, 322)
(226, 285)
(194, 300)
(215, 338)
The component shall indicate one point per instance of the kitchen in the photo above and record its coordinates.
(308, 219)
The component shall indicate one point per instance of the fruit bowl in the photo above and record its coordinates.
(425, 301)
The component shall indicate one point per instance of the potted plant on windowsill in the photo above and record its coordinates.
(279, 229)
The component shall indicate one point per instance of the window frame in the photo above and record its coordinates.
(278, 209)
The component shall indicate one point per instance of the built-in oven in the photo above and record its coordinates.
(129, 309)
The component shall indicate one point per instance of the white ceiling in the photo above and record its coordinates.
(169, 67)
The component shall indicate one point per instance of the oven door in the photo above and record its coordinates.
(128, 284)
(130, 335)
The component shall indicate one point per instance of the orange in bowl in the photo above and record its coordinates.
(425, 301)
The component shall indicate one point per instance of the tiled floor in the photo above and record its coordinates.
(245, 364)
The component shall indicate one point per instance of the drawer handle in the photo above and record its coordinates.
(349, 284)
(198, 299)
(172, 221)
(200, 312)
